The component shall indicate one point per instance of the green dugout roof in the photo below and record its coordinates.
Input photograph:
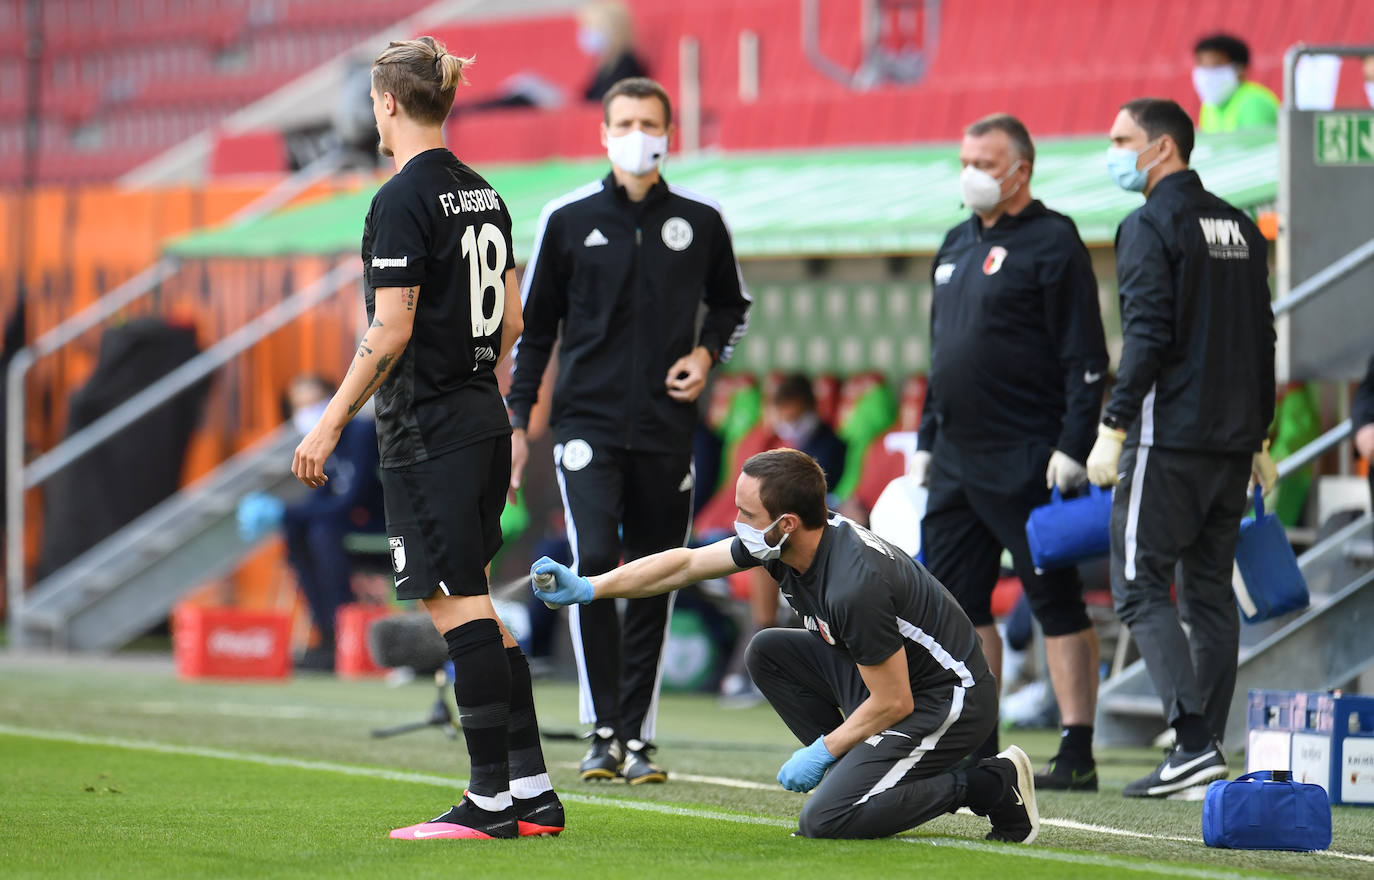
(814, 203)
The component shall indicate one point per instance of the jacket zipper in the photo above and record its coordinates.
(634, 322)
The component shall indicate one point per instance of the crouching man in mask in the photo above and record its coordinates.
(886, 687)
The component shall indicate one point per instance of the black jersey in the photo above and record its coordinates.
(439, 226)
(867, 598)
(1017, 348)
(1197, 327)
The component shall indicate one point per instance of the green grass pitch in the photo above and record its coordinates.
(117, 769)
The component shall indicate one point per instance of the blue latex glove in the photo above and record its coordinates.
(805, 769)
(258, 514)
(567, 588)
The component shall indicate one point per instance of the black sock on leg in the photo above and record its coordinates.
(1076, 743)
(529, 777)
(1192, 731)
(983, 789)
(481, 686)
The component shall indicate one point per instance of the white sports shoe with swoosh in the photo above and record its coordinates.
(1016, 819)
(1181, 769)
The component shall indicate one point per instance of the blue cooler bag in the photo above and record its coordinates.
(1065, 533)
(1267, 581)
(1266, 810)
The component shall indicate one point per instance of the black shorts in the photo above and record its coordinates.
(978, 504)
(443, 519)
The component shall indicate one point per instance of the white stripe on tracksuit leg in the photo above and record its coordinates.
(902, 767)
(650, 725)
(1133, 510)
(586, 709)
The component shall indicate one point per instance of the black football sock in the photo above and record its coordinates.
(983, 789)
(481, 685)
(528, 775)
(1076, 744)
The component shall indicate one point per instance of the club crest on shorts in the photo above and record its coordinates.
(398, 554)
(677, 233)
(577, 454)
(994, 260)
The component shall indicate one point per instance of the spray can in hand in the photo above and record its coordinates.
(544, 584)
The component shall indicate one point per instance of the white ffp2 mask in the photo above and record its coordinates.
(1215, 84)
(981, 191)
(636, 153)
(756, 542)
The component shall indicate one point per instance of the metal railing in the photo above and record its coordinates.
(1317, 447)
(21, 478)
(18, 477)
(1325, 278)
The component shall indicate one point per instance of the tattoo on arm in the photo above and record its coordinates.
(410, 299)
(383, 366)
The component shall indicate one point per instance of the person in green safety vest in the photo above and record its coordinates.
(1297, 422)
(1230, 101)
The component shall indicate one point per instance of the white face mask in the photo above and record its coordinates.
(307, 417)
(636, 153)
(1369, 92)
(592, 41)
(794, 434)
(1215, 84)
(756, 543)
(981, 191)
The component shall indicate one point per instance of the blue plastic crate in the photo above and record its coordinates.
(1322, 738)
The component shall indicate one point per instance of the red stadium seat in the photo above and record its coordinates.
(255, 152)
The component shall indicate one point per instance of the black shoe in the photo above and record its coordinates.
(1181, 769)
(1067, 775)
(539, 816)
(467, 821)
(1015, 818)
(604, 757)
(638, 768)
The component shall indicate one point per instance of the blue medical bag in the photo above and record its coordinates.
(1266, 810)
(1064, 533)
(1268, 582)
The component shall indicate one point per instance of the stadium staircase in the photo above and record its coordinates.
(129, 582)
(1325, 646)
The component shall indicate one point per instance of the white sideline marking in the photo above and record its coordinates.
(664, 809)
(723, 781)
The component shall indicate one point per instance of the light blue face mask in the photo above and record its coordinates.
(1121, 168)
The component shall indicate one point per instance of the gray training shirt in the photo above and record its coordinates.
(867, 598)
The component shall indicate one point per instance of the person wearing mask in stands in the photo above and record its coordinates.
(797, 425)
(1230, 101)
(604, 32)
(1017, 362)
(1193, 399)
(315, 526)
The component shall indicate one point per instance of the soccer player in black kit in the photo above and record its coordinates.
(886, 686)
(444, 310)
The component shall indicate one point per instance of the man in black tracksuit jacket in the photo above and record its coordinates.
(1193, 400)
(1017, 362)
(624, 265)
